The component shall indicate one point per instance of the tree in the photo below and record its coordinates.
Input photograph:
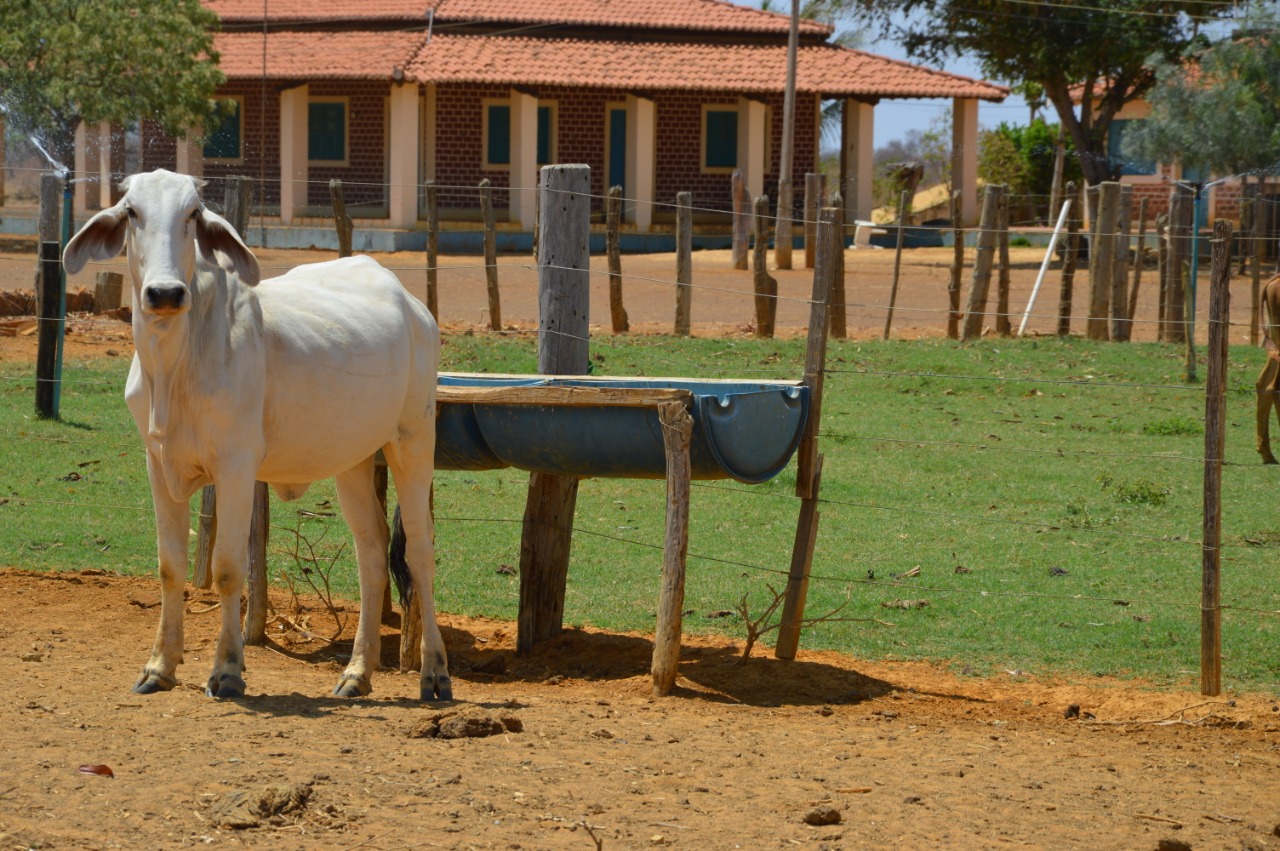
(67, 61)
(1022, 157)
(1082, 51)
(1234, 82)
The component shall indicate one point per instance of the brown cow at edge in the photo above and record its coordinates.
(1268, 385)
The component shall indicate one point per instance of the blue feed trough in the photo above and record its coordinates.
(744, 430)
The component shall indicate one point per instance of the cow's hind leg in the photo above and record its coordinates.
(172, 522)
(1267, 393)
(230, 563)
(413, 474)
(368, 521)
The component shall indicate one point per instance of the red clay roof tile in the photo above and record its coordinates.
(829, 70)
(318, 11)
(717, 15)
(316, 55)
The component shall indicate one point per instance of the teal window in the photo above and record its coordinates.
(498, 128)
(224, 143)
(721, 146)
(327, 131)
(1119, 152)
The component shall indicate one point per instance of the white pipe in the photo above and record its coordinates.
(1044, 266)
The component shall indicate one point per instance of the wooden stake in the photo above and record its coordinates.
(255, 612)
(1139, 261)
(1120, 267)
(108, 288)
(1069, 260)
(564, 264)
(684, 262)
(1255, 270)
(741, 220)
(433, 249)
(1004, 327)
(1214, 445)
(613, 223)
(808, 461)
(766, 285)
(837, 307)
(341, 220)
(1179, 244)
(812, 203)
(491, 255)
(981, 282)
(783, 228)
(1102, 261)
(677, 429)
(957, 268)
(903, 200)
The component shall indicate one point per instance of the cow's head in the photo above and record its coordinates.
(163, 222)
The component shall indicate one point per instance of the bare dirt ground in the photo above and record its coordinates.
(581, 756)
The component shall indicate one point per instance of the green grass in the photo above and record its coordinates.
(1049, 491)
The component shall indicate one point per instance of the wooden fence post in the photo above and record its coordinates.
(677, 430)
(52, 298)
(957, 268)
(433, 249)
(766, 285)
(808, 460)
(1120, 267)
(1070, 257)
(1102, 261)
(837, 308)
(684, 263)
(491, 255)
(564, 264)
(903, 200)
(1178, 247)
(1139, 261)
(813, 191)
(1004, 327)
(613, 223)
(1214, 445)
(341, 220)
(1255, 271)
(108, 289)
(992, 198)
(782, 230)
(741, 220)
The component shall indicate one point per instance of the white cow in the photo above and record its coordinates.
(287, 381)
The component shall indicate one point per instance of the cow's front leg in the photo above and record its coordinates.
(230, 563)
(1266, 397)
(172, 521)
(368, 522)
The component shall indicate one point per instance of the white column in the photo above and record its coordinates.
(964, 157)
(403, 195)
(858, 158)
(293, 152)
(191, 153)
(523, 177)
(753, 138)
(642, 148)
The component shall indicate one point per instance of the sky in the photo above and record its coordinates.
(894, 118)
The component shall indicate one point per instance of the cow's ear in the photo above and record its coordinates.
(222, 246)
(101, 238)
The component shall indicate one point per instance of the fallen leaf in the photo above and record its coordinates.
(100, 770)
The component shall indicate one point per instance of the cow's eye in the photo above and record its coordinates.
(133, 214)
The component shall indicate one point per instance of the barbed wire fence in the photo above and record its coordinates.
(831, 568)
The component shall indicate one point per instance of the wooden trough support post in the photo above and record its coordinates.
(52, 299)
(808, 461)
(677, 431)
(433, 249)
(1214, 445)
(564, 263)
(766, 286)
(613, 248)
(684, 263)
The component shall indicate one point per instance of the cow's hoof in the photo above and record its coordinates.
(1269, 459)
(153, 681)
(225, 686)
(439, 688)
(352, 687)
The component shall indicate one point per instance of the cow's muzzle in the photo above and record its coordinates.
(164, 299)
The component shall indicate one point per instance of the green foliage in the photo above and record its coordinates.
(1106, 47)
(63, 61)
(1174, 426)
(1133, 491)
(1022, 157)
(1236, 80)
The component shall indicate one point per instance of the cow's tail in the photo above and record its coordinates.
(397, 563)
